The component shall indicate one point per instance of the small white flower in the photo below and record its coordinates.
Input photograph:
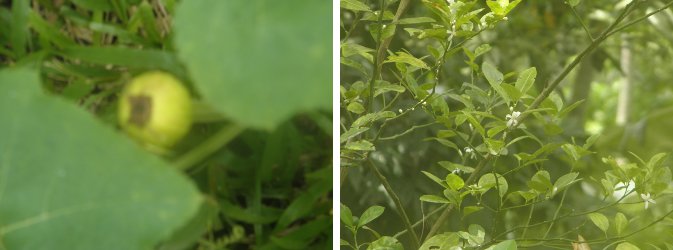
(512, 118)
(424, 103)
(470, 151)
(412, 109)
(400, 110)
(647, 199)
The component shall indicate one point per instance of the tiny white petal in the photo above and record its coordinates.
(511, 122)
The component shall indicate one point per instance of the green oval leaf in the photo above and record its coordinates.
(258, 62)
(67, 181)
(442, 241)
(565, 180)
(346, 215)
(354, 5)
(600, 221)
(370, 214)
(433, 199)
(494, 78)
(505, 245)
(488, 181)
(540, 182)
(385, 243)
(526, 80)
(620, 223)
(626, 246)
(454, 181)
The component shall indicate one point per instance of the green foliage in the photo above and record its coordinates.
(482, 137)
(254, 170)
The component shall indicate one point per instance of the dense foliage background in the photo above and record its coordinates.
(255, 169)
(447, 79)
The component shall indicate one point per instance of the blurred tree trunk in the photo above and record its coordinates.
(623, 106)
(580, 91)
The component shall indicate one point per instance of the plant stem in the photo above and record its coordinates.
(445, 215)
(377, 61)
(421, 221)
(383, 47)
(558, 209)
(397, 201)
(530, 216)
(344, 173)
(204, 113)
(584, 26)
(637, 20)
(208, 147)
(392, 137)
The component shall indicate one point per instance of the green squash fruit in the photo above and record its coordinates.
(156, 110)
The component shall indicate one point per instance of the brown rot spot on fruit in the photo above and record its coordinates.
(141, 110)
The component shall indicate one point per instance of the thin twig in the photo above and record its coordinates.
(398, 202)
(407, 131)
(637, 20)
(584, 26)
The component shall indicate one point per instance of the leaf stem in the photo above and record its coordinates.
(584, 25)
(208, 147)
(398, 203)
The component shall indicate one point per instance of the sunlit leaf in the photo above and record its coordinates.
(370, 214)
(600, 221)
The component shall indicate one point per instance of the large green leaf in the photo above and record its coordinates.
(385, 243)
(258, 61)
(69, 182)
(494, 77)
(443, 241)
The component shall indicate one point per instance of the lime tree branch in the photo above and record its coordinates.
(557, 218)
(445, 215)
(637, 20)
(433, 212)
(392, 137)
(398, 203)
(584, 25)
(599, 240)
(383, 47)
